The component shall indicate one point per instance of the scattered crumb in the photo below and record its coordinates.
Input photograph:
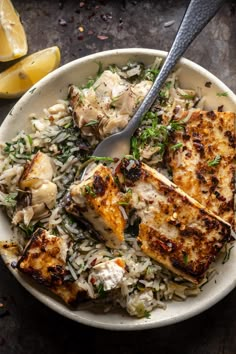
(169, 23)
(80, 37)
(62, 22)
(102, 38)
(208, 84)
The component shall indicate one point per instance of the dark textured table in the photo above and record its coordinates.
(28, 327)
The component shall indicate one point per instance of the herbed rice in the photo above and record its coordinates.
(146, 285)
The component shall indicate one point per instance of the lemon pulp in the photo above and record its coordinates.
(12, 35)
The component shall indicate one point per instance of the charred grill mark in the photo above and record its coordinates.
(199, 147)
(34, 240)
(211, 224)
(219, 196)
(200, 177)
(131, 169)
(227, 206)
(195, 270)
(230, 137)
(188, 154)
(162, 243)
(215, 183)
(99, 185)
(186, 137)
(166, 190)
(211, 114)
(225, 232)
(191, 231)
(57, 273)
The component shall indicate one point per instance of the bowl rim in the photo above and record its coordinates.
(49, 301)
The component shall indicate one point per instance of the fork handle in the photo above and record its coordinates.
(198, 14)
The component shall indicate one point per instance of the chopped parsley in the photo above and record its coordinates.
(89, 83)
(30, 139)
(215, 161)
(147, 314)
(151, 74)
(101, 158)
(134, 148)
(222, 94)
(123, 203)
(92, 122)
(101, 291)
(176, 146)
(10, 199)
(185, 258)
(89, 190)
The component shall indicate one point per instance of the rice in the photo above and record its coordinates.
(145, 285)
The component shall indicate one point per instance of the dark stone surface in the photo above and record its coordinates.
(28, 326)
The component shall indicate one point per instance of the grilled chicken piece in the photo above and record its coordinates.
(39, 192)
(204, 166)
(38, 170)
(175, 230)
(106, 107)
(44, 259)
(97, 200)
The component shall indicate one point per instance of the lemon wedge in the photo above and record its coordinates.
(17, 79)
(12, 35)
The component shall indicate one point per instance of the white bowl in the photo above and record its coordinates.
(44, 94)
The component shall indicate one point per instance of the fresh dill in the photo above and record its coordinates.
(176, 146)
(222, 94)
(215, 161)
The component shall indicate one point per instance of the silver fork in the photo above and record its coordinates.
(198, 14)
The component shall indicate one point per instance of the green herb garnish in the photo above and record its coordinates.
(187, 97)
(227, 255)
(150, 115)
(29, 230)
(129, 191)
(123, 203)
(100, 69)
(32, 90)
(174, 126)
(30, 139)
(222, 94)
(89, 190)
(215, 161)
(89, 83)
(151, 74)
(101, 291)
(185, 258)
(134, 147)
(147, 314)
(176, 146)
(91, 122)
(68, 125)
(10, 199)
(101, 158)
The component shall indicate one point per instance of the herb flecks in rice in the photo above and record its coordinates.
(145, 284)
